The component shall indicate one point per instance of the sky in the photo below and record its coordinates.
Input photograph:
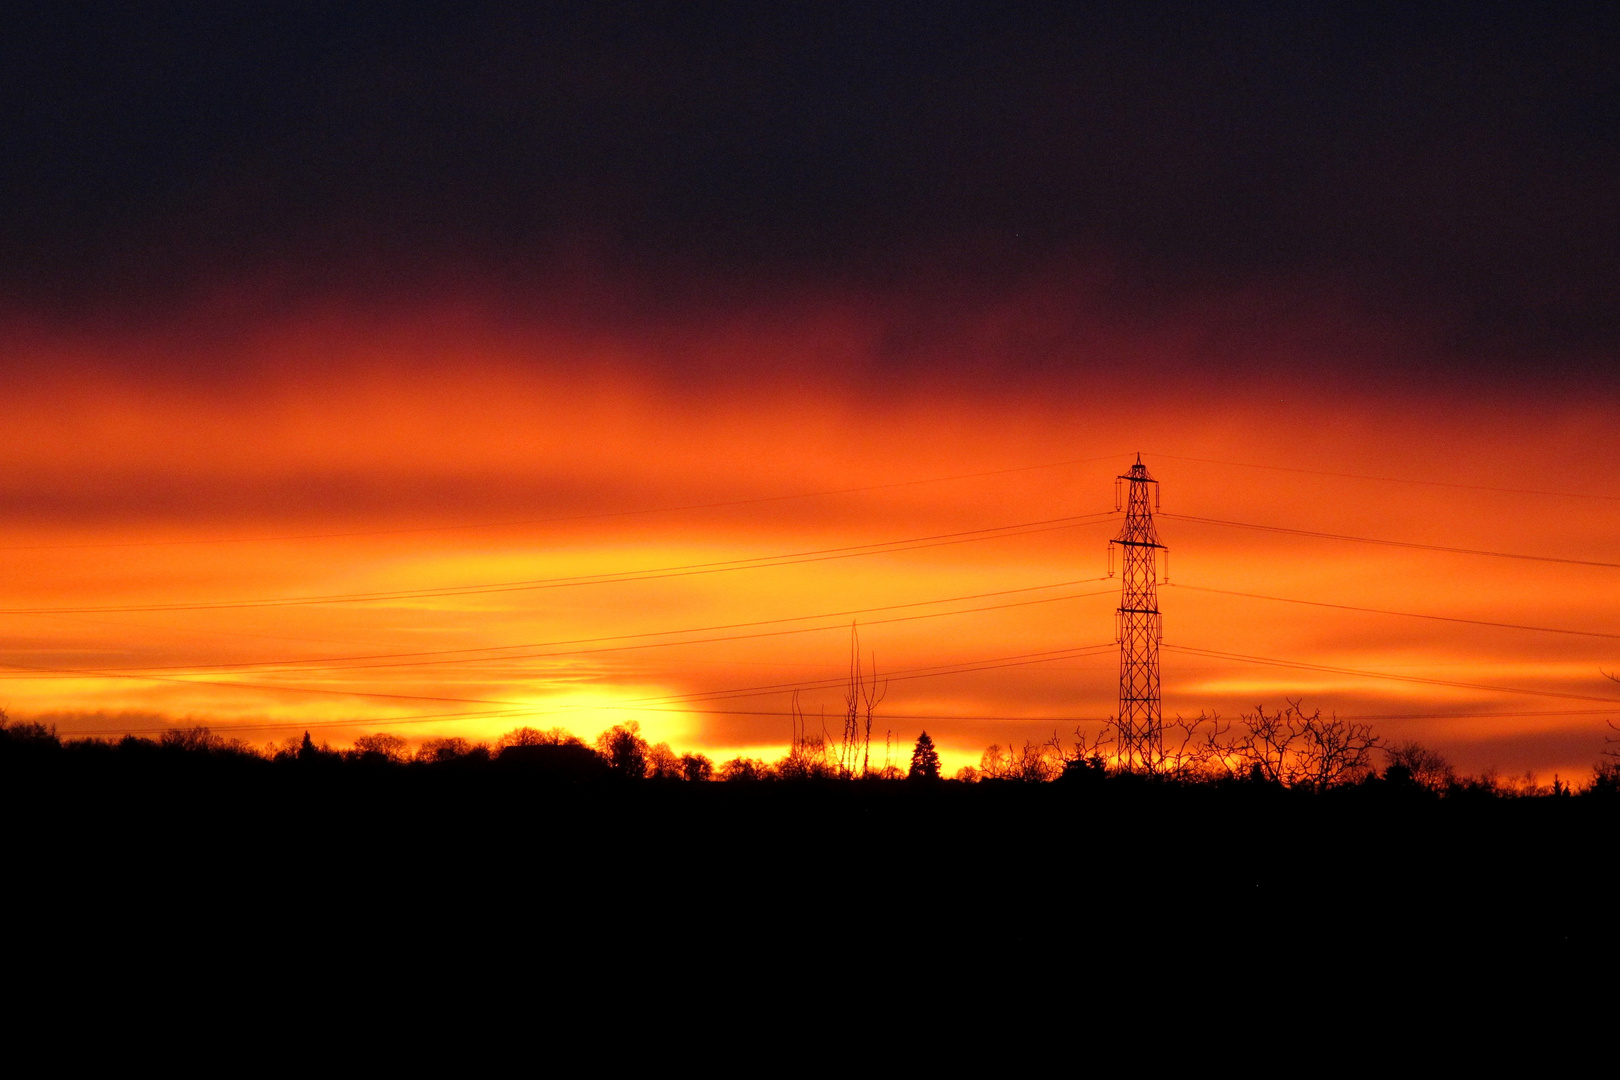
(443, 370)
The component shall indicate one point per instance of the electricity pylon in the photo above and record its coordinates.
(1137, 625)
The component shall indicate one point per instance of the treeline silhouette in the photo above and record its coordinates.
(1288, 749)
(1035, 853)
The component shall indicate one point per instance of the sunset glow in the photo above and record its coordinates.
(441, 373)
(471, 537)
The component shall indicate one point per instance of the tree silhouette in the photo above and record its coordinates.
(1605, 779)
(441, 750)
(382, 747)
(745, 769)
(22, 734)
(1418, 764)
(924, 760)
(808, 757)
(1034, 764)
(193, 739)
(1298, 749)
(567, 760)
(860, 699)
(663, 763)
(528, 736)
(626, 751)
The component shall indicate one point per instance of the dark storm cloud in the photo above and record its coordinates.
(1454, 171)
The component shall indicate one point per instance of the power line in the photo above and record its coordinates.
(903, 675)
(910, 716)
(181, 669)
(569, 518)
(1393, 479)
(688, 570)
(1274, 662)
(341, 664)
(320, 725)
(1393, 543)
(274, 688)
(1481, 716)
(114, 674)
(1405, 614)
(634, 704)
(1109, 719)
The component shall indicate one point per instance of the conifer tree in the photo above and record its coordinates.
(924, 760)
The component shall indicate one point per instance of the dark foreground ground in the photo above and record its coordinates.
(177, 906)
(455, 919)
(759, 870)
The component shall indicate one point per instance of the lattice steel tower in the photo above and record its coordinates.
(1136, 625)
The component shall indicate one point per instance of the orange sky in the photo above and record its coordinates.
(148, 474)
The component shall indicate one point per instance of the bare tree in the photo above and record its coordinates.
(890, 770)
(1262, 748)
(1606, 773)
(1424, 766)
(1291, 748)
(1333, 751)
(199, 740)
(528, 736)
(664, 764)
(807, 757)
(384, 746)
(861, 698)
(624, 750)
(1034, 763)
(1610, 741)
(450, 748)
(745, 769)
(1086, 749)
(1203, 750)
(1299, 750)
